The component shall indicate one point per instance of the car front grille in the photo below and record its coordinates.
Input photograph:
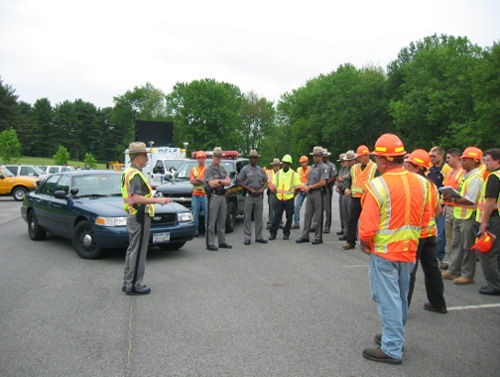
(164, 219)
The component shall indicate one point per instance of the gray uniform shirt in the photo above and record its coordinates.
(253, 178)
(332, 170)
(317, 173)
(211, 173)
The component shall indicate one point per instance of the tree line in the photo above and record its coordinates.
(441, 90)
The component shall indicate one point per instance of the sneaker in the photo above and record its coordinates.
(462, 280)
(447, 275)
(376, 354)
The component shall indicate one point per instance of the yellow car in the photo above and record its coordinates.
(15, 186)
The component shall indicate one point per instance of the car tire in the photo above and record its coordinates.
(230, 217)
(84, 243)
(19, 192)
(34, 230)
(172, 246)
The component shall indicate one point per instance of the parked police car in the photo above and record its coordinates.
(178, 188)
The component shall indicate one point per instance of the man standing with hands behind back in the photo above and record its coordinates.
(138, 202)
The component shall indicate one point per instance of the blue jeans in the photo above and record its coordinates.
(298, 205)
(199, 202)
(441, 236)
(390, 282)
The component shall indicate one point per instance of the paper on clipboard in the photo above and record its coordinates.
(450, 191)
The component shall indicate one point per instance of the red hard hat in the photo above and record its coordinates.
(484, 243)
(362, 150)
(389, 145)
(421, 158)
(472, 152)
(303, 159)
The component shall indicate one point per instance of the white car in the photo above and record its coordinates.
(27, 171)
(52, 169)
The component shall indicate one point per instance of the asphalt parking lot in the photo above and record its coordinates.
(280, 309)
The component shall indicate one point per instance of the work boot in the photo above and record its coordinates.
(462, 280)
(376, 354)
(447, 275)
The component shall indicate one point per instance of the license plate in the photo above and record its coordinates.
(161, 237)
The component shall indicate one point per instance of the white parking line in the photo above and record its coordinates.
(485, 306)
(358, 265)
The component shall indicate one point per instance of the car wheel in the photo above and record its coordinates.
(19, 193)
(34, 230)
(230, 217)
(172, 246)
(84, 243)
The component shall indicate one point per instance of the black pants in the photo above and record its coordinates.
(352, 224)
(279, 207)
(427, 255)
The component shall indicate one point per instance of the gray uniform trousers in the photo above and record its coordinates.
(346, 208)
(314, 208)
(135, 260)
(490, 261)
(217, 208)
(327, 208)
(253, 204)
(464, 260)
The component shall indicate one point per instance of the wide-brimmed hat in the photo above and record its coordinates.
(341, 157)
(326, 153)
(276, 161)
(317, 151)
(253, 153)
(349, 155)
(137, 147)
(217, 152)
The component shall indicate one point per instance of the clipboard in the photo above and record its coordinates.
(450, 191)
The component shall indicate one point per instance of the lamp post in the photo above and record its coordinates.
(185, 147)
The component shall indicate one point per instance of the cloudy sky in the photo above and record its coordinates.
(97, 49)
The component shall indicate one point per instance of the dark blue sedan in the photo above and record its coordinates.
(87, 207)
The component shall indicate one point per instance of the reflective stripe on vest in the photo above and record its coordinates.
(405, 236)
(433, 199)
(360, 178)
(482, 200)
(128, 202)
(285, 189)
(303, 176)
(199, 189)
(464, 211)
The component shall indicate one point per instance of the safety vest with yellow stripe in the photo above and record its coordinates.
(482, 199)
(128, 202)
(196, 172)
(303, 176)
(465, 211)
(400, 223)
(286, 184)
(359, 178)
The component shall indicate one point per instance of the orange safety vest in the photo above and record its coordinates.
(359, 178)
(433, 201)
(483, 171)
(198, 190)
(482, 200)
(395, 208)
(453, 179)
(303, 176)
(128, 202)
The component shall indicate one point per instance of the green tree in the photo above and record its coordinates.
(206, 114)
(9, 146)
(61, 157)
(43, 141)
(90, 161)
(10, 116)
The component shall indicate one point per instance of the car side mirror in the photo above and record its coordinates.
(168, 176)
(74, 190)
(60, 194)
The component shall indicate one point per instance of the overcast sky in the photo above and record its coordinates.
(98, 49)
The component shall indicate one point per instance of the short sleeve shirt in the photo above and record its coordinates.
(211, 173)
(253, 178)
(475, 187)
(332, 170)
(137, 185)
(317, 173)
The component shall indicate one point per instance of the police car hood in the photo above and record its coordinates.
(113, 206)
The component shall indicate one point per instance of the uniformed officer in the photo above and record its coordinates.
(216, 178)
(138, 202)
(327, 198)
(254, 180)
(316, 179)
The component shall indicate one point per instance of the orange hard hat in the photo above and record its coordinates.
(484, 243)
(472, 152)
(201, 154)
(421, 158)
(303, 159)
(389, 145)
(362, 150)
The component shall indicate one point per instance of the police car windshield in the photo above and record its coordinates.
(185, 169)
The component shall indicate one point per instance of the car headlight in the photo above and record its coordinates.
(184, 217)
(111, 221)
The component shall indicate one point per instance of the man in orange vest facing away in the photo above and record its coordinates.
(361, 173)
(302, 172)
(199, 197)
(395, 208)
